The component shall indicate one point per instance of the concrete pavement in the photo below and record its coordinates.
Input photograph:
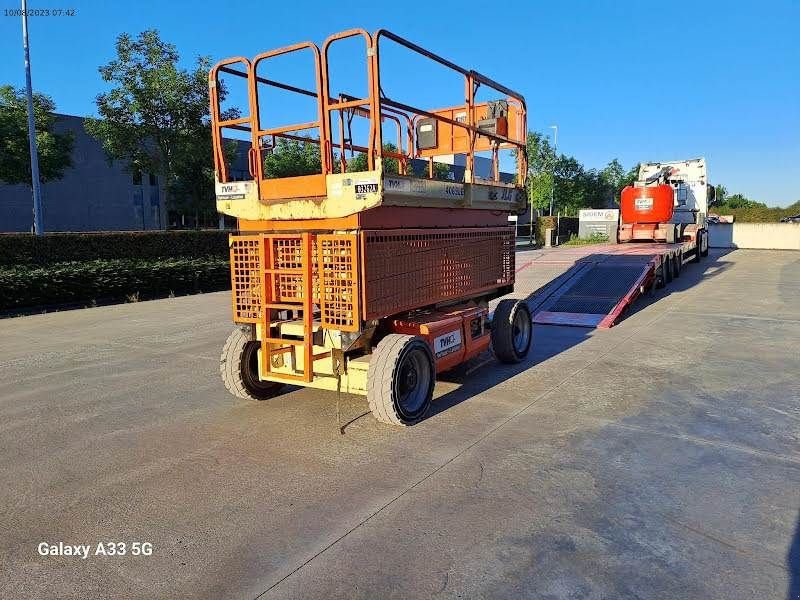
(658, 459)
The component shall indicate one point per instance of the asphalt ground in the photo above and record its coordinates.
(657, 459)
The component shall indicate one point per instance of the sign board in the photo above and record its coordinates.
(599, 214)
(600, 221)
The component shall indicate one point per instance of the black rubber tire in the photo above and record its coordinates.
(239, 368)
(697, 252)
(704, 247)
(660, 280)
(510, 319)
(668, 267)
(677, 266)
(390, 367)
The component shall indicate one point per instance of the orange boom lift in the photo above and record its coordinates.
(370, 281)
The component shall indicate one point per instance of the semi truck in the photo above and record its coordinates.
(663, 224)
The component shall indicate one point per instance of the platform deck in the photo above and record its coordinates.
(600, 283)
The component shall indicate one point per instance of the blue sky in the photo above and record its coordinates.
(632, 80)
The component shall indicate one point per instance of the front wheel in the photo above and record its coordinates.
(238, 366)
(512, 331)
(400, 379)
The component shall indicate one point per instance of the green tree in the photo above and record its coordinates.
(741, 201)
(629, 177)
(291, 158)
(156, 117)
(541, 160)
(611, 177)
(720, 194)
(359, 162)
(419, 168)
(391, 166)
(573, 185)
(54, 149)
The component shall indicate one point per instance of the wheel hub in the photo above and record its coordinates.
(410, 379)
(521, 332)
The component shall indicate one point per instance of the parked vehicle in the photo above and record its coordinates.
(369, 282)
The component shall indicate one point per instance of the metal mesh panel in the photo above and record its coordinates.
(598, 290)
(338, 281)
(404, 270)
(287, 256)
(411, 269)
(246, 278)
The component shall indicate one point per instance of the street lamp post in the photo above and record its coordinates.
(38, 225)
(553, 171)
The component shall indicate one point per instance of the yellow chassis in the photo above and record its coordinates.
(353, 380)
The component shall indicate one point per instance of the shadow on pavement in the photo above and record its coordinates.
(484, 372)
(691, 274)
(793, 564)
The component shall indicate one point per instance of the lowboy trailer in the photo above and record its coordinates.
(663, 224)
(606, 280)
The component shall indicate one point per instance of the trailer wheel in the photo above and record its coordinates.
(238, 366)
(667, 266)
(677, 265)
(698, 249)
(512, 331)
(400, 379)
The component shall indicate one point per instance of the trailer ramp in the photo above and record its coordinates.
(596, 290)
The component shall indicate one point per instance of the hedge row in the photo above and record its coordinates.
(109, 279)
(27, 249)
(757, 214)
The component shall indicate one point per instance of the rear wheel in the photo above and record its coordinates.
(400, 379)
(677, 265)
(698, 251)
(512, 331)
(238, 366)
(667, 267)
(704, 246)
(660, 277)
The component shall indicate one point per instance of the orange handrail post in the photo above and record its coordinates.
(328, 106)
(255, 80)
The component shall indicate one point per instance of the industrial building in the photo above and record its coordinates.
(95, 194)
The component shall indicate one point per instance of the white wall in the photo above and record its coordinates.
(771, 236)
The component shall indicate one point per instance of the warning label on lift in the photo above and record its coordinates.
(447, 343)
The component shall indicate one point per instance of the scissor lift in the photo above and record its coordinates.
(369, 282)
